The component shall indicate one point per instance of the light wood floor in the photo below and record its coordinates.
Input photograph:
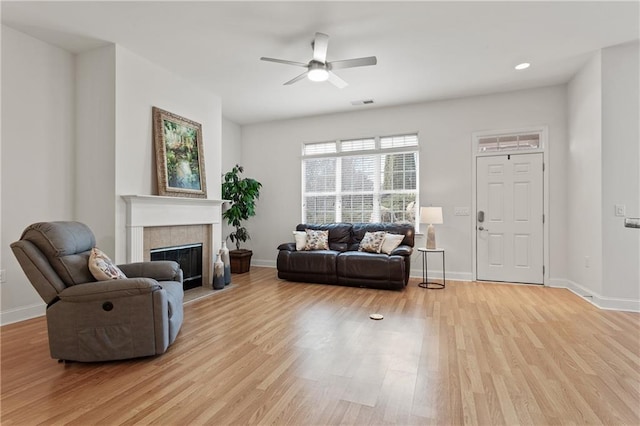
(274, 352)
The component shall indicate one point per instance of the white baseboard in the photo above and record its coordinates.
(602, 302)
(263, 263)
(23, 313)
(591, 297)
(451, 275)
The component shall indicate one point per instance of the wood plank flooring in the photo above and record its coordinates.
(275, 352)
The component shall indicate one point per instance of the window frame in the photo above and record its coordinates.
(377, 151)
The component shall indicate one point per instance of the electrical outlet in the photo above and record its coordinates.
(620, 210)
(3, 276)
(586, 261)
(461, 211)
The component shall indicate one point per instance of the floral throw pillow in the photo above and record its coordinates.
(102, 268)
(317, 240)
(371, 242)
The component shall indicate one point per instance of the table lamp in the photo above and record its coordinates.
(431, 215)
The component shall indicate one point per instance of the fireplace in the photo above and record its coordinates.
(155, 222)
(190, 259)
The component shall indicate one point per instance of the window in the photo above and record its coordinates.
(509, 143)
(361, 180)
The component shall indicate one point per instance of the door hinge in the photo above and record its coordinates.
(543, 218)
(543, 269)
(543, 167)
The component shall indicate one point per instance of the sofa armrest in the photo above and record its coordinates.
(160, 270)
(112, 289)
(287, 246)
(402, 250)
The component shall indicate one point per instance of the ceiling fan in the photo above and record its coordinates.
(319, 69)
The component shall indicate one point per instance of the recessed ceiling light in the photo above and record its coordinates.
(523, 66)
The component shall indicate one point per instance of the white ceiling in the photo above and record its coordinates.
(425, 50)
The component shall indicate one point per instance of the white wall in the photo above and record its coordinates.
(271, 154)
(76, 135)
(37, 153)
(231, 144)
(603, 171)
(95, 144)
(620, 170)
(585, 178)
(140, 85)
(231, 155)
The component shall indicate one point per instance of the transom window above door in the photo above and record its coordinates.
(361, 180)
(507, 143)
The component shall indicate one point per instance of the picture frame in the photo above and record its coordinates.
(179, 155)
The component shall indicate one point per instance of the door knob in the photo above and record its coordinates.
(481, 228)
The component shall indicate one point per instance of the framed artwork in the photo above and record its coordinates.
(179, 155)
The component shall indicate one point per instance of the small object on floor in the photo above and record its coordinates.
(376, 316)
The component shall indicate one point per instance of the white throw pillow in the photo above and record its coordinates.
(301, 239)
(102, 268)
(390, 242)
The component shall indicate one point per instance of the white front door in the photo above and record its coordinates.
(509, 218)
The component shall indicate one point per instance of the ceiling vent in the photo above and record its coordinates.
(362, 102)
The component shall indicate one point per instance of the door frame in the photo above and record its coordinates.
(543, 131)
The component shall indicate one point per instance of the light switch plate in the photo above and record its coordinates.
(620, 210)
(461, 211)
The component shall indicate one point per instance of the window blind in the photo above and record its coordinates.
(361, 180)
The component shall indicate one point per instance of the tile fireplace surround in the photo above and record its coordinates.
(154, 221)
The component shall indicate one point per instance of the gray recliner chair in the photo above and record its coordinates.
(91, 320)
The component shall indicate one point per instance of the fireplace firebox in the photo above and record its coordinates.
(189, 256)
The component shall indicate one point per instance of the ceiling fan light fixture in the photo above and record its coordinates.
(318, 74)
(319, 69)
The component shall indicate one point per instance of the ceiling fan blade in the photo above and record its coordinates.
(320, 44)
(298, 78)
(337, 81)
(283, 61)
(351, 63)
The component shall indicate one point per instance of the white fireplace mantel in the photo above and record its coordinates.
(151, 210)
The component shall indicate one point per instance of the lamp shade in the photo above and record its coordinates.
(431, 215)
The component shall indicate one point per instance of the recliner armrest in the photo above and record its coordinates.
(160, 270)
(402, 250)
(108, 289)
(287, 246)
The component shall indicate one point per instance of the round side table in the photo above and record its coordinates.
(425, 282)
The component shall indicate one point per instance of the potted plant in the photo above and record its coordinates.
(243, 193)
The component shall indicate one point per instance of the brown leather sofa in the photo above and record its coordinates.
(343, 264)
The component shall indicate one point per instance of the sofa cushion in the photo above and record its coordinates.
(316, 240)
(309, 262)
(360, 229)
(66, 245)
(373, 266)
